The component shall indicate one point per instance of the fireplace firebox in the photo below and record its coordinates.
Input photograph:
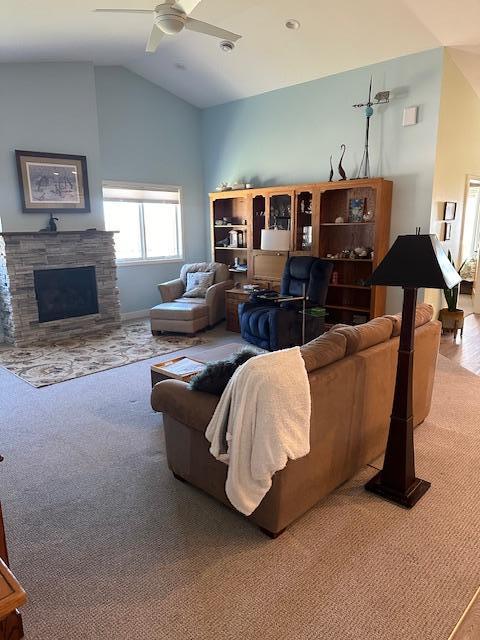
(65, 293)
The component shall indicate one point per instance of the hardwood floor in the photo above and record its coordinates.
(464, 351)
(468, 627)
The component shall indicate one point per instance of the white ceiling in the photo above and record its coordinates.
(335, 35)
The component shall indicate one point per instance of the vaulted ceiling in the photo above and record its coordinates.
(334, 36)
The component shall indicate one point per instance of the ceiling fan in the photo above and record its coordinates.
(170, 17)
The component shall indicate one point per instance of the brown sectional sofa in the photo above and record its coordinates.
(352, 374)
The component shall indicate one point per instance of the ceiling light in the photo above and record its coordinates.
(227, 46)
(292, 24)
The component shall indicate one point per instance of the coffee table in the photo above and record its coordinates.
(208, 355)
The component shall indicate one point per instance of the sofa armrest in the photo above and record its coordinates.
(171, 290)
(215, 301)
(193, 408)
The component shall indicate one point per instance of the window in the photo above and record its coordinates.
(148, 221)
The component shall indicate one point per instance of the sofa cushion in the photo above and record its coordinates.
(198, 283)
(366, 335)
(323, 350)
(423, 314)
(179, 311)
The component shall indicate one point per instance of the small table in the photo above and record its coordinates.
(278, 298)
(233, 297)
(11, 595)
(209, 355)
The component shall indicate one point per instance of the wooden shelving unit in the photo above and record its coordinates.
(309, 212)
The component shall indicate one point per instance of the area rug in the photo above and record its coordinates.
(44, 365)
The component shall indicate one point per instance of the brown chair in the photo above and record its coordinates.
(188, 315)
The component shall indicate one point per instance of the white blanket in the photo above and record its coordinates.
(265, 412)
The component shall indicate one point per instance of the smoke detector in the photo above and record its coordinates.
(227, 46)
(292, 24)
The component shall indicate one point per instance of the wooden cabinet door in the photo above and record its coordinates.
(280, 206)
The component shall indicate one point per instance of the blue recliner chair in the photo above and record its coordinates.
(279, 327)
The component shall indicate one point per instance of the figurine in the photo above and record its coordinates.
(51, 225)
(368, 216)
(339, 220)
(341, 170)
(331, 170)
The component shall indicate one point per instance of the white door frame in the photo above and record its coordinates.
(476, 284)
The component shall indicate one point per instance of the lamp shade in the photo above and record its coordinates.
(416, 261)
(275, 240)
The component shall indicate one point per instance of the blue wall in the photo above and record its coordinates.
(287, 136)
(48, 107)
(149, 135)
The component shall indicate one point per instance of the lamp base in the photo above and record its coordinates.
(408, 499)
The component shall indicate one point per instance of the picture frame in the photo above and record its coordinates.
(447, 231)
(449, 210)
(52, 182)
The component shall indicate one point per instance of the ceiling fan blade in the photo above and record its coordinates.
(123, 11)
(187, 6)
(210, 30)
(154, 40)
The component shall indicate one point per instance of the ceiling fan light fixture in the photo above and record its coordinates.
(170, 23)
(227, 46)
(292, 24)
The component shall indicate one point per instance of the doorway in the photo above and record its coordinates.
(469, 249)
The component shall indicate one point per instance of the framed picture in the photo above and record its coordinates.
(447, 231)
(449, 211)
(52, 182)
(356, 207)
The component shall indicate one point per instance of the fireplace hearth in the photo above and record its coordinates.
(65, 293)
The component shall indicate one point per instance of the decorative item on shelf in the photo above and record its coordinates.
(233, 235)
(362, 282)
(341, 170)
(447, 231)
(414, 261)
(51, 225)
(335, 277)
(223, 186)
(330, 178)
(356, 207)
(369, 216)
(361, 252)
(383, 97)
(248, 185)
(452, 318)
(226, 221)
(222, 243)
(449, 210)
(339, 220)
(52, 182)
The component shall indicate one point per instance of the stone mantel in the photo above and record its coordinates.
(24, 252)
(54, 233)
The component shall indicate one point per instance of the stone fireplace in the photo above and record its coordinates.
(57, 285)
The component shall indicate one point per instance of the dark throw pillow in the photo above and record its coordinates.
(214, 378)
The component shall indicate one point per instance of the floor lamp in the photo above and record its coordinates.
(413, 262)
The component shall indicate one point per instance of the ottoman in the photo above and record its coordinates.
(182, 317)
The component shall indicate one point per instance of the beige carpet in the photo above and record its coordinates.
(109, 546)
(48, 364)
